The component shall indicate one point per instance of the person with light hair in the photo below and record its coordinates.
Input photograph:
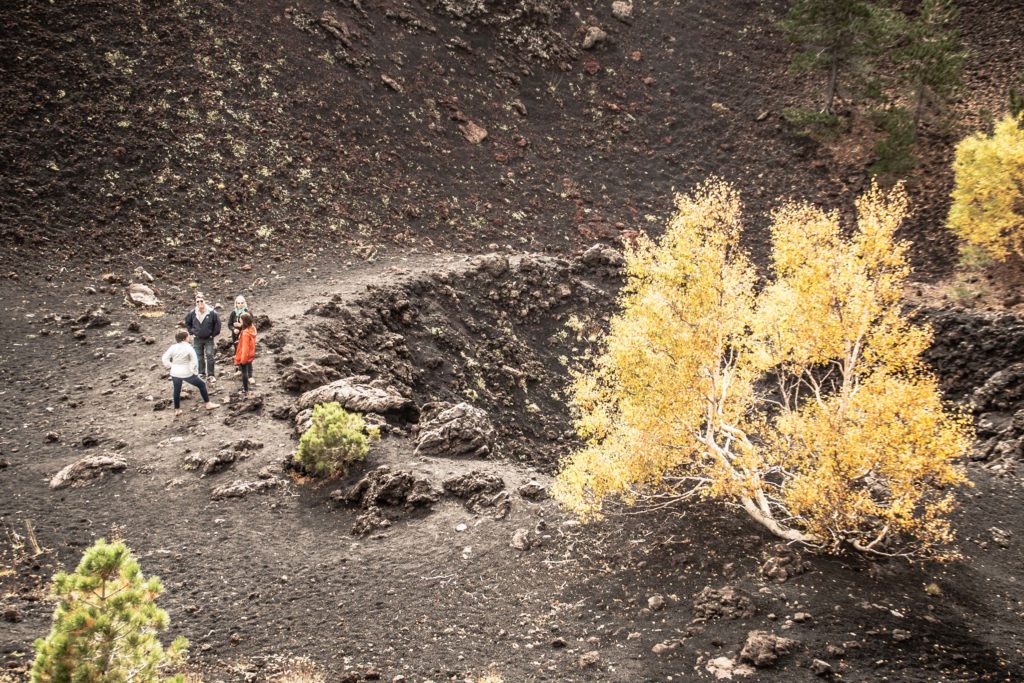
(235, 326)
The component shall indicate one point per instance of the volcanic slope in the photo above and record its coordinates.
(228, 131)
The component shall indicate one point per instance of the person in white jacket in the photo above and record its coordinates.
(183, 363)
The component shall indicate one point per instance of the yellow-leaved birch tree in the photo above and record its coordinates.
(803, 401)
(988, 196)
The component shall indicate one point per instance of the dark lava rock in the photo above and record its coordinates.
(450, 431)
(472, 483)
(253, 403)
(212, 463)
(533, 490)
(305, 376)
(784, 564)
(371, 520)
(726, 602)
(240, 489)
(383, 486)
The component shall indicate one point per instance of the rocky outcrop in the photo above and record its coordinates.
(384, 486)
(481, 492)
(240, 489)
(305, 376)
(602, 255)
(763, 649)
(454, 430)
(87, 470)
(359, 394)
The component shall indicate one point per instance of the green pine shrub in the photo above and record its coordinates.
(1016, 101)
(894, 153)
(336, 439)
(106, 623)
(816, 125)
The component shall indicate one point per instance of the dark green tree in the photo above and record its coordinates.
(840, 38)
(335, 439)
(931, 56)
(1017, 100)
(105, 625)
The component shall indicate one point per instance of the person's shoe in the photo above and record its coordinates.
(177, 413)
(212, 406)
(252, 382)
(211, 379)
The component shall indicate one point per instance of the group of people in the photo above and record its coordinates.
(191, 358)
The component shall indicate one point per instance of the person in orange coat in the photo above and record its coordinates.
(245, 352)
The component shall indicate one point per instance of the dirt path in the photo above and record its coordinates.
(440, 595)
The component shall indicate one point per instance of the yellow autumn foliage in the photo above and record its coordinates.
(988, 195)
(803, 401)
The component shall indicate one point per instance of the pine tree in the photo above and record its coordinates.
(1016, 101)
(931, 56)
(105, 625)
(839, 37)
(335, 439)
(804, 403)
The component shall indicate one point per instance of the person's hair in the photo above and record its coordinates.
(200, 297)
(242, 299)
(181, 335)
(245, 319)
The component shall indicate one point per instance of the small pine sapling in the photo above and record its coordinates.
(335, 440)
(106, 623)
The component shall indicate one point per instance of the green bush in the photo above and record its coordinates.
(105, 625)
(336, 439)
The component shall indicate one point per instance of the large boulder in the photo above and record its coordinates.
(454, 430)
(141, 295)
(85, 470)
(357, 394)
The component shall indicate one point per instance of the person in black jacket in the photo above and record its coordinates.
(203, 324)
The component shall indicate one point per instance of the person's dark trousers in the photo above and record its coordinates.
(204, 353)
(194, 381)
(246, 369)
